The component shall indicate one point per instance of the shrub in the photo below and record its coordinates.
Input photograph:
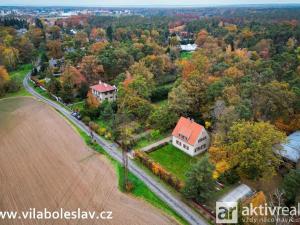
(93, 126)
(86, 119)
(101, 131)
(108, 135)
(155, 134)
(13, 86)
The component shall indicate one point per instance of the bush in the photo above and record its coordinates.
(155, 134)
(93, 126)
(229, 177)
(101, 131)
(86, 119)
(13, 86)
(108, 135)
(160, 93)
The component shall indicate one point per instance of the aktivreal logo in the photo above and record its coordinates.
(226, 212)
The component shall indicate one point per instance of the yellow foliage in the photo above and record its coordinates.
(231, 28)
(233, 72)
(3, 73)
(207, 124)
(92, 101)
(217, 154)
(221, 167)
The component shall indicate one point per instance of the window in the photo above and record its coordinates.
(186, 147)
(202, 139)
(178, 142)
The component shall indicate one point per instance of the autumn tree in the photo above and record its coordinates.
(273, 100)
(4, 78)
(54, 32)
(250, 147)
(201, 37)
(163, 118)
(97, 47)
(54, 49)
(9, 57)
(71, 80)
(81, 39)
(142, 83)
(36, 35)
(26, 49)
(91, 69)
(97, 34)
(54, 86)
(188, 98)
(91, 101)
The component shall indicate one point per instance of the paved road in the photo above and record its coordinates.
(112, 149)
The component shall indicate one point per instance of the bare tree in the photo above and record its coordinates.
(277, 200)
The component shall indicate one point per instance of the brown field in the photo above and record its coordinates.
(45, 164)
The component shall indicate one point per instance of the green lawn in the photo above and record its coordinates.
(174, 160)
(161, 103)
(19, 76)
(77, 106)
(186, 55)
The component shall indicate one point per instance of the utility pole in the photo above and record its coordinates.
(125, 137)
(125, 164)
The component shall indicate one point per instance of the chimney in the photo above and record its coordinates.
(100, 82)
(105, 84)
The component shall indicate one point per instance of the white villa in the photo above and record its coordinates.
(190, 137)
(103, 91)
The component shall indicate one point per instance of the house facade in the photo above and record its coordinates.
(190, 137)
(103, 91)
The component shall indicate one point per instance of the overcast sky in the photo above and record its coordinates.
(138, 2)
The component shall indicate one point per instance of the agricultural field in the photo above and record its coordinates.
(45, 164)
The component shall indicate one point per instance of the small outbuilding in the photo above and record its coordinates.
(291, 149)
(239, 193)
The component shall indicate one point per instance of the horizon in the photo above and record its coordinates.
(146, 4)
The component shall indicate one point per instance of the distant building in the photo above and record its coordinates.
(291, 149)
(188, 47)
(21, 32)
(190, 137)
(104, 91)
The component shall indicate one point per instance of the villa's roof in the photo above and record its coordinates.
(189, 129)
(103, 87)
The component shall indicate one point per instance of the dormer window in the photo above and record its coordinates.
(182, 137)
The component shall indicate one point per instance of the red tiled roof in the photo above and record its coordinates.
(188, 128)
(103, 87)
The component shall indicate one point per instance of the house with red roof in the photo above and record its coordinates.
(103, 91)
(190, 137)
